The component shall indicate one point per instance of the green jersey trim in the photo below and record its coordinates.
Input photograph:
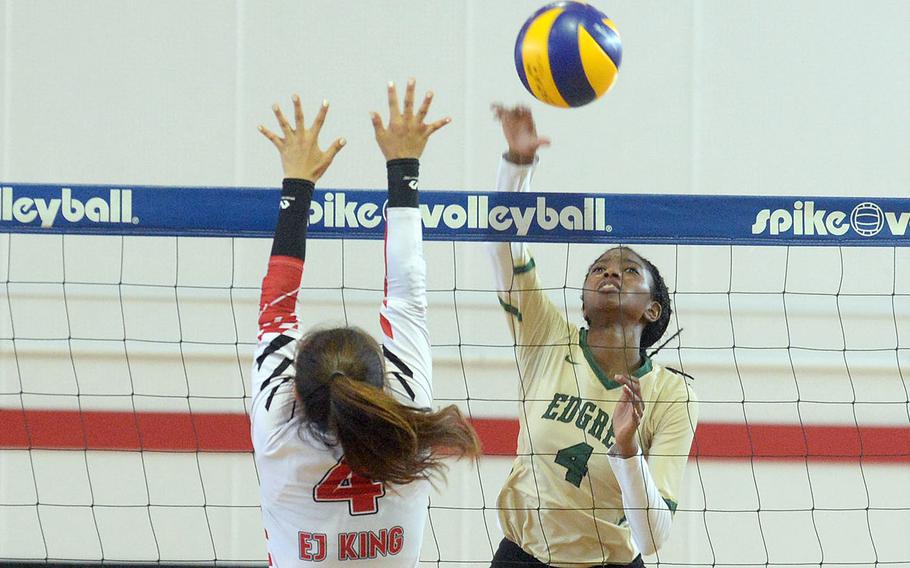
(606, 381)
(511, 309)
(524, 268)
(644, 369)
(670, 503)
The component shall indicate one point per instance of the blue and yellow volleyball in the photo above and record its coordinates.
(568, 54)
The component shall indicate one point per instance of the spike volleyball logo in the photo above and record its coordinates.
(867, 219)
(568, 53)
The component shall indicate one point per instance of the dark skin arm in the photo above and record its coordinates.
(520, 133)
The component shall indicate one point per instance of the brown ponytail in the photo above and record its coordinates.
(340, 380)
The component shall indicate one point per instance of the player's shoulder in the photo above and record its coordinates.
(276, 345)
(669, 382)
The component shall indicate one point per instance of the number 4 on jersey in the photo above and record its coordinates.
(575, 460)
(342, 484)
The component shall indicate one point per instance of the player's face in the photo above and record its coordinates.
(618, 286)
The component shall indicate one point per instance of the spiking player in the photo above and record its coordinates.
(343, 434)
(605, 431)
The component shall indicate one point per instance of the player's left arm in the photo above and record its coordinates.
(650, 485)
(273, 370)
(403, 314)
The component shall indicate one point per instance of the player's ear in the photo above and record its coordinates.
(653, 311)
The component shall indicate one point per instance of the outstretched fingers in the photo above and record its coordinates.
(406, 133)
(282, 121)
(333, 150)
(394, 109)
(336, 147)
(425, 106)
(328, 156)
(434, 126)
(320, 117)
(298, 112)
(273, 138)
(409, 98)
(499, 111)
(503, 113)
(423, 110)
(299, 150)
(378, 128)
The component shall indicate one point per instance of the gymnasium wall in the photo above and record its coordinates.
(714, 97)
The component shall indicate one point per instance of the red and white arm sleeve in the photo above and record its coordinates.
(278, 301)
(273, 363)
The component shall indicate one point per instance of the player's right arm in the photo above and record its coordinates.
(273, 365)
(533, 318)
(650, 487)
(403, 314)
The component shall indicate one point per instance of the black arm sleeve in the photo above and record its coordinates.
(293, 217)
(403, 190)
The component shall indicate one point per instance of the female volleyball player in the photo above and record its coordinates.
(606, 431)
(343, 434)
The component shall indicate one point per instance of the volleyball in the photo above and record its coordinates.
(568, 54)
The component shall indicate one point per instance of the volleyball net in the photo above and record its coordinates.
(128, 322)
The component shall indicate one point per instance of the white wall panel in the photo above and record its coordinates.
(4, 92)
(121, 92)
(804, 98)
(346, 53)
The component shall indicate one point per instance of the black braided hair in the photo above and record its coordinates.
(662, 345)
(660, 294)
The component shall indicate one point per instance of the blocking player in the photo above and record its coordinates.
(343, 434)
(605, 430)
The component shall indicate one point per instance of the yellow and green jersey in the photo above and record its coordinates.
(561, 502)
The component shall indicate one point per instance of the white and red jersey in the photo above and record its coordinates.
(316, 512)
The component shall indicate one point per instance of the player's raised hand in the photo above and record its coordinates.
(406, 134)
(627, 416)
(299, 148)
(520, 132)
